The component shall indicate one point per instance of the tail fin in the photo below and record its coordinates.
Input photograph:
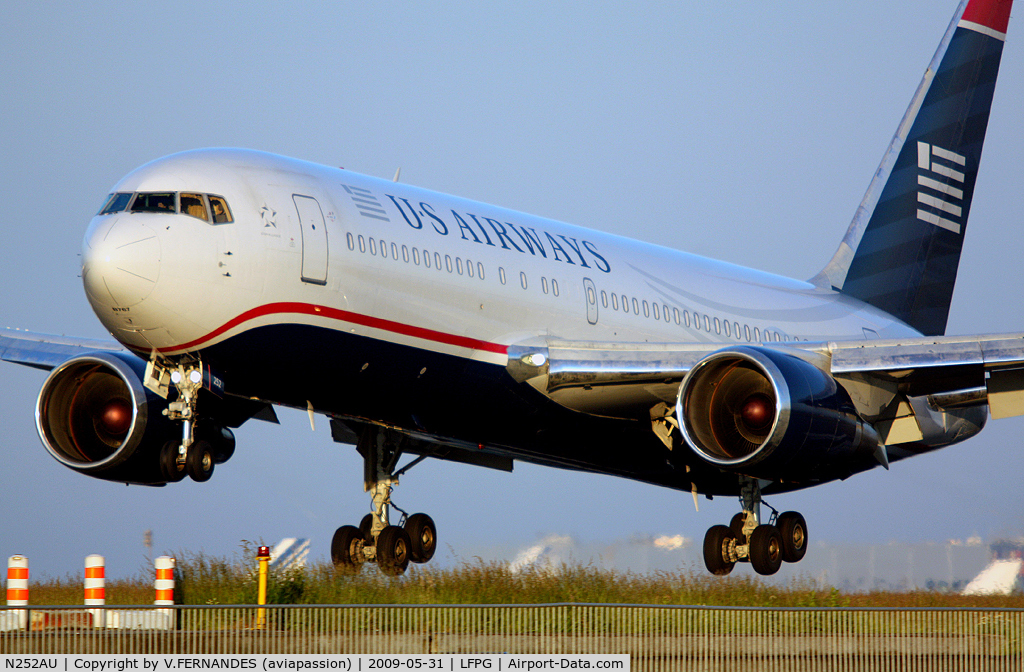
(902, 249)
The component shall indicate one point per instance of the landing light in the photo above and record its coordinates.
(534, 359)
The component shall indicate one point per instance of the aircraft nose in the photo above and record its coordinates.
(120, 262)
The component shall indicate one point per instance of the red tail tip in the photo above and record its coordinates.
(994, 14)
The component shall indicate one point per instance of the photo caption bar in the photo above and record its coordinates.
(363, 662)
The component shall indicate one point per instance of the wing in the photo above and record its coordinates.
(45, 351)
(893, 383)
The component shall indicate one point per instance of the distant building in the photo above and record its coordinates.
(1004, 574)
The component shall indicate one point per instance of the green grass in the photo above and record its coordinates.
(203, 579)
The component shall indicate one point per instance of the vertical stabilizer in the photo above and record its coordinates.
(902, 249)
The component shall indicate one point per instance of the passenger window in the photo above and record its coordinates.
(116, 203)
(636, 306)
(158, 202)
(675, 315)
(696, 320)
(727, 329)
(554, 289)
(405, 253)
(657, 313)
(469, 268)
(707, 324)
(746, 332)
(426, 258)
(647, 309)
(664, 311)
(757, 334)
(448, 262)
(625, 304)
(480, 269)
(194, 205)
(615, 301)
(351, 242)
(437, 260)
(394, 251)
(686, 317)
(544, 285)
(221, 212)
(501, 274)
(416, 256)
(362, 245)
(718, 326)
(736, 329)
(522, 279)
(373, 248)
(458, 264)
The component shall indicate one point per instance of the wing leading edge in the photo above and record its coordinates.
(884, 377)
(46, 351)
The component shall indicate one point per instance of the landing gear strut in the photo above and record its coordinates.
(392, 547)
(197, 452)
(745, 539)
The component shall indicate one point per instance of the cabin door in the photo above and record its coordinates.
(314, 239)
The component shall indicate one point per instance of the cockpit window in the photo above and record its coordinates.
(194, 205)
(155, 202)
(221, 212)
(116, 203)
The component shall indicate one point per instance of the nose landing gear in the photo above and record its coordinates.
(745, 539)
(202, 444)
(392, 547)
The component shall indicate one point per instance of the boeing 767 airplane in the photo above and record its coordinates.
(429, 326)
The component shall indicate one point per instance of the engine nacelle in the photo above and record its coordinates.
(770, 415)
(95, 416)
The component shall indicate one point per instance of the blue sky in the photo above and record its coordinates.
(738, 132)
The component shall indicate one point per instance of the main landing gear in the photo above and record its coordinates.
(392, 547)
(745, 539)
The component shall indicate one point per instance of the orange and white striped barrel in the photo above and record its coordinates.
(95, 581)
(17, 581)
(17, 586)
(164, 583)
(95, 588)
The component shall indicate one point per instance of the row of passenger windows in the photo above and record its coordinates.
(200, 206)
(698, 321)
(617, 302)
(375, 246)
(416, 256)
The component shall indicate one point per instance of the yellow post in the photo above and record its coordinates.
(263, 556)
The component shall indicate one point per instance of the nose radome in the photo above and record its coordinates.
(120, 263)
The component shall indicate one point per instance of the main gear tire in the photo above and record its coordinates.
(718, 543)
(422, 537)
(393, 550)
(766, 549)
(793, 529)
(347, 548)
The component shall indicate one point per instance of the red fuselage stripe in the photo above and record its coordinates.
(343, 316)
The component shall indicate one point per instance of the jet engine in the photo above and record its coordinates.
(767, 414)
(94, 416)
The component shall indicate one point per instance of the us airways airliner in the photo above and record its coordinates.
(429, 326)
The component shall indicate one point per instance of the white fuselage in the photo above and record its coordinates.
(328, 247)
